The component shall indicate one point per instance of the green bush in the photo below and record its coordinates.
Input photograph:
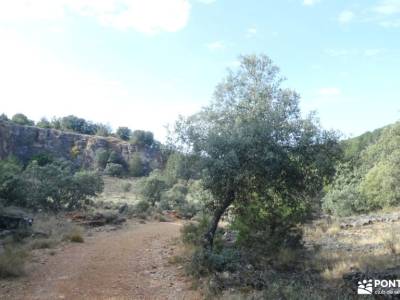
(43, 123)
(136, 166)
(126, 187)
(10, 182)
(115, 170)
(4, 118)
(142, 206)
(54, 186)
(152, 189)
(142, 138)
(124, 133)
(101, 158)
(21, 119)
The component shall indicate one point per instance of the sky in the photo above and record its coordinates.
(141, 63)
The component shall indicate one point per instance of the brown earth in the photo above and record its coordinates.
(130, 263)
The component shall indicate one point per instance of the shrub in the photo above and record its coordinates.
(142, 207)
(103, 130)
(142, 138)
(42, 244)
(12, 262)
(43, 123)
(126, 187)
(101, 158)
(124, 133)
(4, 118)
(54, 186)
(74, 236)
(9, 180)
(115, 170)
(21, 119)
(136, 165)
(152, 189)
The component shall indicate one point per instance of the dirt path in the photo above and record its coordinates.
(131, 263)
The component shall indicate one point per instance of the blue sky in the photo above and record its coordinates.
(142, 63)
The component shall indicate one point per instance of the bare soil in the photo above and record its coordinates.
(130, 263)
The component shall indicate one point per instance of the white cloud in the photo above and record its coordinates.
(329, 91)
(38, 84)
(310, 2)
(150, 16)
(217, 45)
(251, 32)
(346, 16)
(388, 7)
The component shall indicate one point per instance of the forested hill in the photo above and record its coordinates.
(87, 151)
(354, 146)
(368, 178)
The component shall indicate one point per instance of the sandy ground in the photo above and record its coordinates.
(130, 263)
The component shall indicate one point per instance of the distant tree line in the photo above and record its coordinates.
(73, 123)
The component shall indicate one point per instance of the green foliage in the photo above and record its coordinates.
(264, 227)
(371, 180)
(115, 170)
(53, 186)
(136, 165)
(255, 146)
(152, 188)
(101, 158)
(43, 159)
(103, 130)
(43, 123)
(180, 166)
(21, 119)
(4, 118)
(115, 158)
(79, 125)
(142, 138)
(142, 207)
(124, 133)
(126, 187)
(192, 233)
(9, 179)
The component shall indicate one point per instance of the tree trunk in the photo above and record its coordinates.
(209, 236)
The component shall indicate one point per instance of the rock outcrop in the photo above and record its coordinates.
(24, 142)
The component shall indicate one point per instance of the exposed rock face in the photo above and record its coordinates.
(24, 142)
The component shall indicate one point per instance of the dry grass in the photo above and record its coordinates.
(368, 248)
(116, 190)
(12, 262)
(75, 235)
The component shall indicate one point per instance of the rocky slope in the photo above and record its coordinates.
(24, 142)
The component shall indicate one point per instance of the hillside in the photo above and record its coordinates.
(25, 142)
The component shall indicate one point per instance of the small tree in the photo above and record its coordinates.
(43, 123)
(136, 165)
(142, 138)
(255, 147)
(3, 117)
(21, 119)
(152, 189)
(124, 133)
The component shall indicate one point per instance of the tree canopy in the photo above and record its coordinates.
(255, 146)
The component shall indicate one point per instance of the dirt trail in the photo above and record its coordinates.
(131, 263)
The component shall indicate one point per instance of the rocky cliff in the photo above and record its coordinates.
(24, 142)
